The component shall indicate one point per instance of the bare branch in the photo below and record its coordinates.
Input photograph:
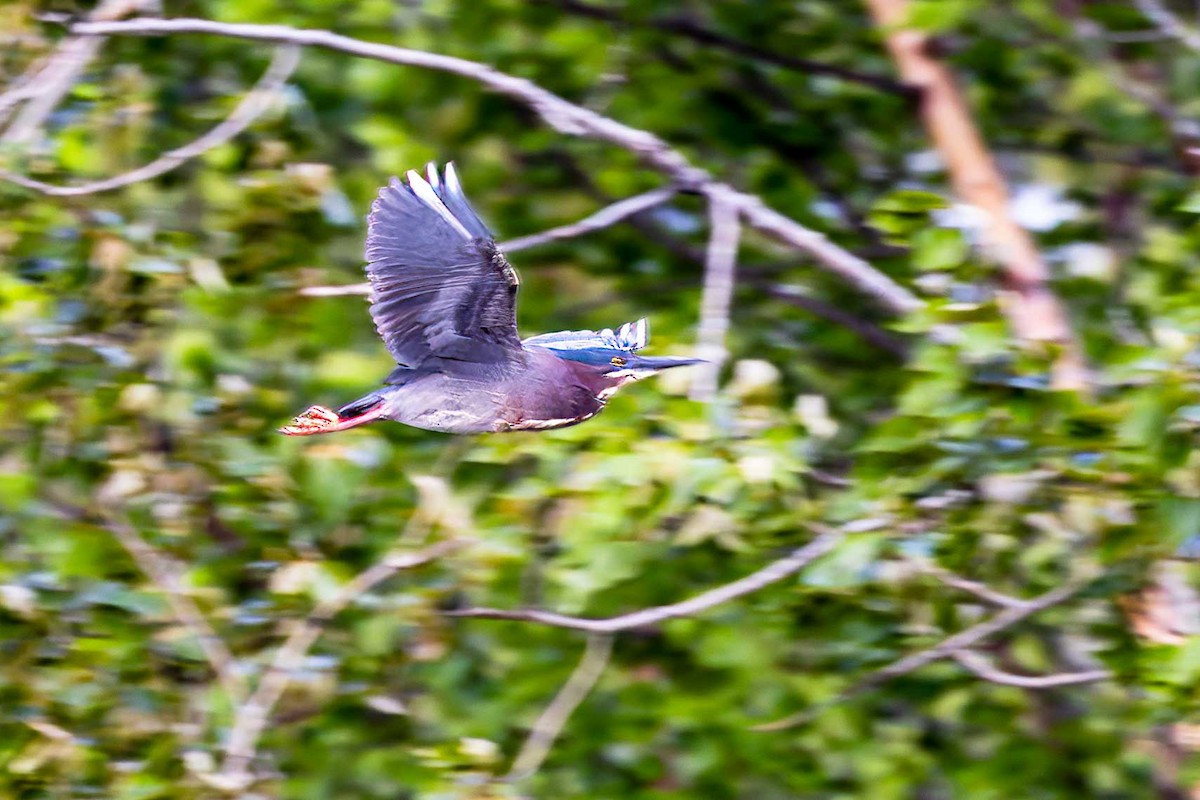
(252, 106)
(846, 265)
(772, 573)
(868, 331)
(251, 717)
(1167, 22)
(22, 88)
(1095, 42)
(550, 724)
(1033, 310)
(980, 666)
(565, 117)
(604, 218)
(164, 574)
(45, 88)
(1135, 37)
(720, 263)
(982, 591)
(973, 635)
(947, 648)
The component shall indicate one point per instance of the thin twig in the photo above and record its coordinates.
(251, 107)
(56, 75)
(164, 573)
(979, 665)
(846, 265)
(947, 648)
(550, 724)
(604, 218)
(870, 332)
(1135, 37)
(251, 717)
(772, 573)
(567, 118)
(980, 590)
(972, 636)
(23, 87)
(1166, 21)
(1096, 46)
(720, 264)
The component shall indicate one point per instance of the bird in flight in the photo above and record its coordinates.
(445, 306)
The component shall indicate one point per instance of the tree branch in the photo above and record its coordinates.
(981, 667)
(23, 87)
(604, 218)
(1096, 46)
(949, 647)
(982, 591)
(567, 118)
(251, 717)
(972, 636)
(849, 267)
(866, 330)
(1168, 23)
(252, 106)
(720, 264)
(164, 574)
(551, 722)
(44, 90)
(772, 573)
(1033, 310)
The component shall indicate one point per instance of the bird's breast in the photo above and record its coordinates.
(539, 404)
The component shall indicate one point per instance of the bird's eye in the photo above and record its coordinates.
(617, 361)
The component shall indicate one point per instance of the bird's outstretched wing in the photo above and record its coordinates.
(631, 336)
(441, 286)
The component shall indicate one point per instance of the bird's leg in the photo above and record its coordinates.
(319, 419)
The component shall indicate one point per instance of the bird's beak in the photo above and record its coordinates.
(648, 365)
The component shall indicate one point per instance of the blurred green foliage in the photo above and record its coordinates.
(152, 339)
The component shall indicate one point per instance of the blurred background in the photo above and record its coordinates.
(160, 542)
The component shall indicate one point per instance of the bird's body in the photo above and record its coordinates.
(445, 307)
(534, 390)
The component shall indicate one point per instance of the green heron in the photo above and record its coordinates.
(445, 306)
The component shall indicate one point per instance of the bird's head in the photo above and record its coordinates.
(610, 357)
(622, 366)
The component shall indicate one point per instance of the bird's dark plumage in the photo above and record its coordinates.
(445, 306)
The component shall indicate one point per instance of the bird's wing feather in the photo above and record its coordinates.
(631, 336)
(441, 285)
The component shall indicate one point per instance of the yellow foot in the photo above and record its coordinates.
(317, 419)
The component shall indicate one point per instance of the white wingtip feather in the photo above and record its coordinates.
(425, 192)
(451, 175)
